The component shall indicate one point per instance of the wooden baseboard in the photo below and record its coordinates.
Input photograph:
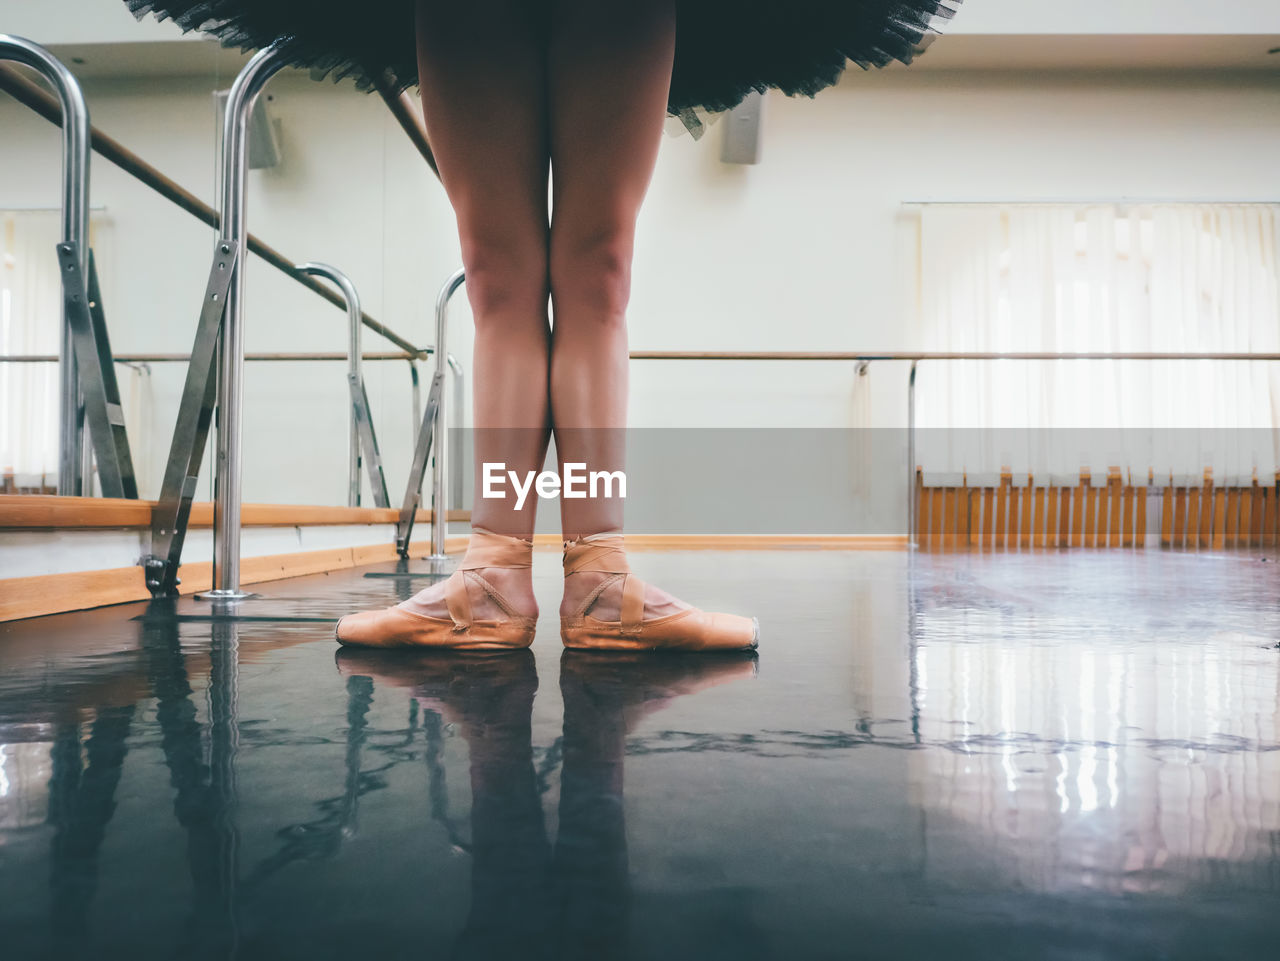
(749, 542)
(79, 590)
(57, 593)
(22, 511)
(22, 597)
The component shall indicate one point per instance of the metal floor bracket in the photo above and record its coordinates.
(418, 470)
(82, 306)
(369, 452)
(195, 413)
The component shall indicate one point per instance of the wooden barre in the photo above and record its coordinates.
(761, 355)
(708, 355)
(905, 355)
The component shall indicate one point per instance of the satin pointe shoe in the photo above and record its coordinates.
(686, 630)
(400, 626)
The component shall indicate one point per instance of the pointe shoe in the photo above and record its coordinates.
(687, 630)
(401, 627)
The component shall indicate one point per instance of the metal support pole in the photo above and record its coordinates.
(75, 231)
(235, 174)
(415, 413)
(431, 429)
(361, 434)
(454, 485)
(913, 503)
(439, 486)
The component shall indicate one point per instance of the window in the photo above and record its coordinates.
(31, 324)
(1188, 278)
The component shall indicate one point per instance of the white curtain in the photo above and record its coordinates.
(1069, 278)
(30, 323)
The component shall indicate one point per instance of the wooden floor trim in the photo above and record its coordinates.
(749, 542)
(22, 597)
(46, 512)
(78, 590)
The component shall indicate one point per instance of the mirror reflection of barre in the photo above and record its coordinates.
(89, 393)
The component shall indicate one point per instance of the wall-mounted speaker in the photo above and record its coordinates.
(742, 131)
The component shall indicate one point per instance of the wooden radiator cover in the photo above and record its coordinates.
(1110, 514)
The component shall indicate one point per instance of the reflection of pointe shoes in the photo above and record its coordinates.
(467, 687)
(687, 630)
(640, 684)
(401, 627)
(664, 677)
(432, 672)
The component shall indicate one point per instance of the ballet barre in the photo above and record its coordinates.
(47, 106)
(220, 341)
(87, 366)
(362, 438)
(295, 355)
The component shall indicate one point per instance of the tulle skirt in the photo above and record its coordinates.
(724, 48)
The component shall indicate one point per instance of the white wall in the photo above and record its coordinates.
(813, 248)
(80, 21)
(1117, 17)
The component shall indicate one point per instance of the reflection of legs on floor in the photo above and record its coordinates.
(489, 699)
(81, 803)
(510, 913)
(605, 696)
(591, 848)
(521, 905)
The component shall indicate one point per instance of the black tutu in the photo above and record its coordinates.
(724, 48)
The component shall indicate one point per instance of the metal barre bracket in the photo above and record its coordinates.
(82, 307)
(413, 491)
(432, 429)
(363, 444)
(172, 513)
(370, 454)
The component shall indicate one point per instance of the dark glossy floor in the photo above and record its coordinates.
(1063, 755)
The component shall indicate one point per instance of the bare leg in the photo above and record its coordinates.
(609, 73)
(483, 73)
